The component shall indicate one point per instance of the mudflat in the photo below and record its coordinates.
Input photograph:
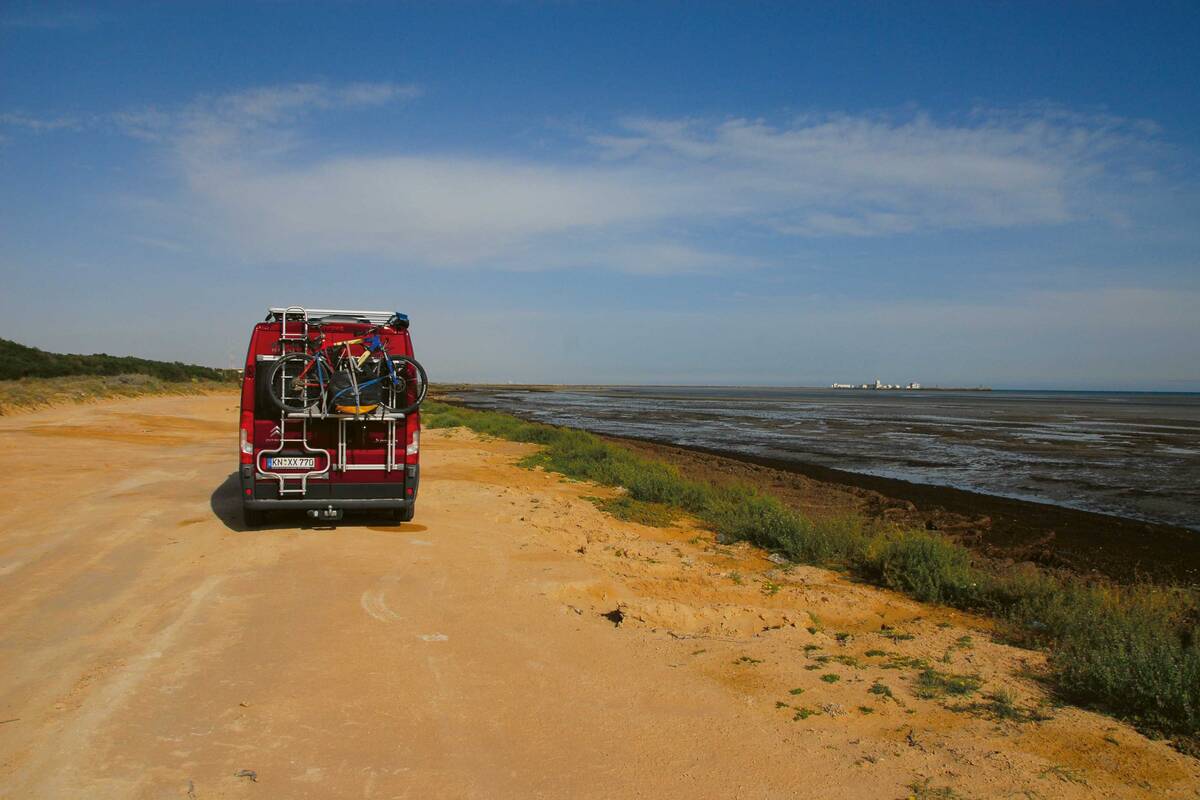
(514, 641)
(1001, 528)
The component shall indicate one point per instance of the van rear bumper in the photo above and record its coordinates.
(263, 495)
(379, 503)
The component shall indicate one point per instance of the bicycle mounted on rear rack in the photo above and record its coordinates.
(331, 375)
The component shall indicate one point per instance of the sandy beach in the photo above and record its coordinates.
(513, 641)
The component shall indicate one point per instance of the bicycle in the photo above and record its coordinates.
(299, 381)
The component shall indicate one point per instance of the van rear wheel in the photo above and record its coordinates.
(253, 518)
(405, 514)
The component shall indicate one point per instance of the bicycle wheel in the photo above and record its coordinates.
(404, 387)
(297, 381)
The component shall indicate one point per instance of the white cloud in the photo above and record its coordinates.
(223, 120)
(37, 124)
(649, 196)
(859, 176)
(438, 210)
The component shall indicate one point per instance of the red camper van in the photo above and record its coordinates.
(329, 418)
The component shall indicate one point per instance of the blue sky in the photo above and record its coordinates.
(764, 193)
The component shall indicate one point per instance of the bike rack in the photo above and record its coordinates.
(373, 317)
(297, 482)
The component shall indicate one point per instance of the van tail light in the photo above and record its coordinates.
(414, 446)
(247, 443)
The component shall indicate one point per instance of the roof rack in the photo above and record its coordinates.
(298, 312)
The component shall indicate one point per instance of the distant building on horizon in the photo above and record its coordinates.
(877, 385)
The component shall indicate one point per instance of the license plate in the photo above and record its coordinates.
(291, 462)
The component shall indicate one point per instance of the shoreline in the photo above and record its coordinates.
(1012, 529)
(1002, 528)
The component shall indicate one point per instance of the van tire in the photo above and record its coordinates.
(405, 514)
(253, 518)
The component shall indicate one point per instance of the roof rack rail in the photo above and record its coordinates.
(373, 317)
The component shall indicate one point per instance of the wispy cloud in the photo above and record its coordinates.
(860, 176)
(647, 195)
(216, 120)
(38, 124)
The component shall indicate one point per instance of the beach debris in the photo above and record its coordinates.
(616, 617)
(833, 709)
(247, 773)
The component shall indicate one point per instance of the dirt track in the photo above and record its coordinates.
(151, 649)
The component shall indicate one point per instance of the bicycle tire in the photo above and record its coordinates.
(400, 400)
(310, 393)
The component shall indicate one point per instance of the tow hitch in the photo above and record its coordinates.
(325, 513)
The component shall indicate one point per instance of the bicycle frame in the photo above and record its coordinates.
(371, 345)
(374, 344)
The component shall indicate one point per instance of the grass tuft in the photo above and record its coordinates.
(654, 515)
(924, 790)
(933, 683)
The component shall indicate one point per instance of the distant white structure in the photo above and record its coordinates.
(877, 385)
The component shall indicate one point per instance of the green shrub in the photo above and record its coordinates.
(925, 566)
(21, 361)
(1131, 656)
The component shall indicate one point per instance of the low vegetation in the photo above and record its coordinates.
(924, 789)
(932, 683)
(1001, 705)
(1132, 650)
(29, 393)
(21, 361)
(655, 515)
